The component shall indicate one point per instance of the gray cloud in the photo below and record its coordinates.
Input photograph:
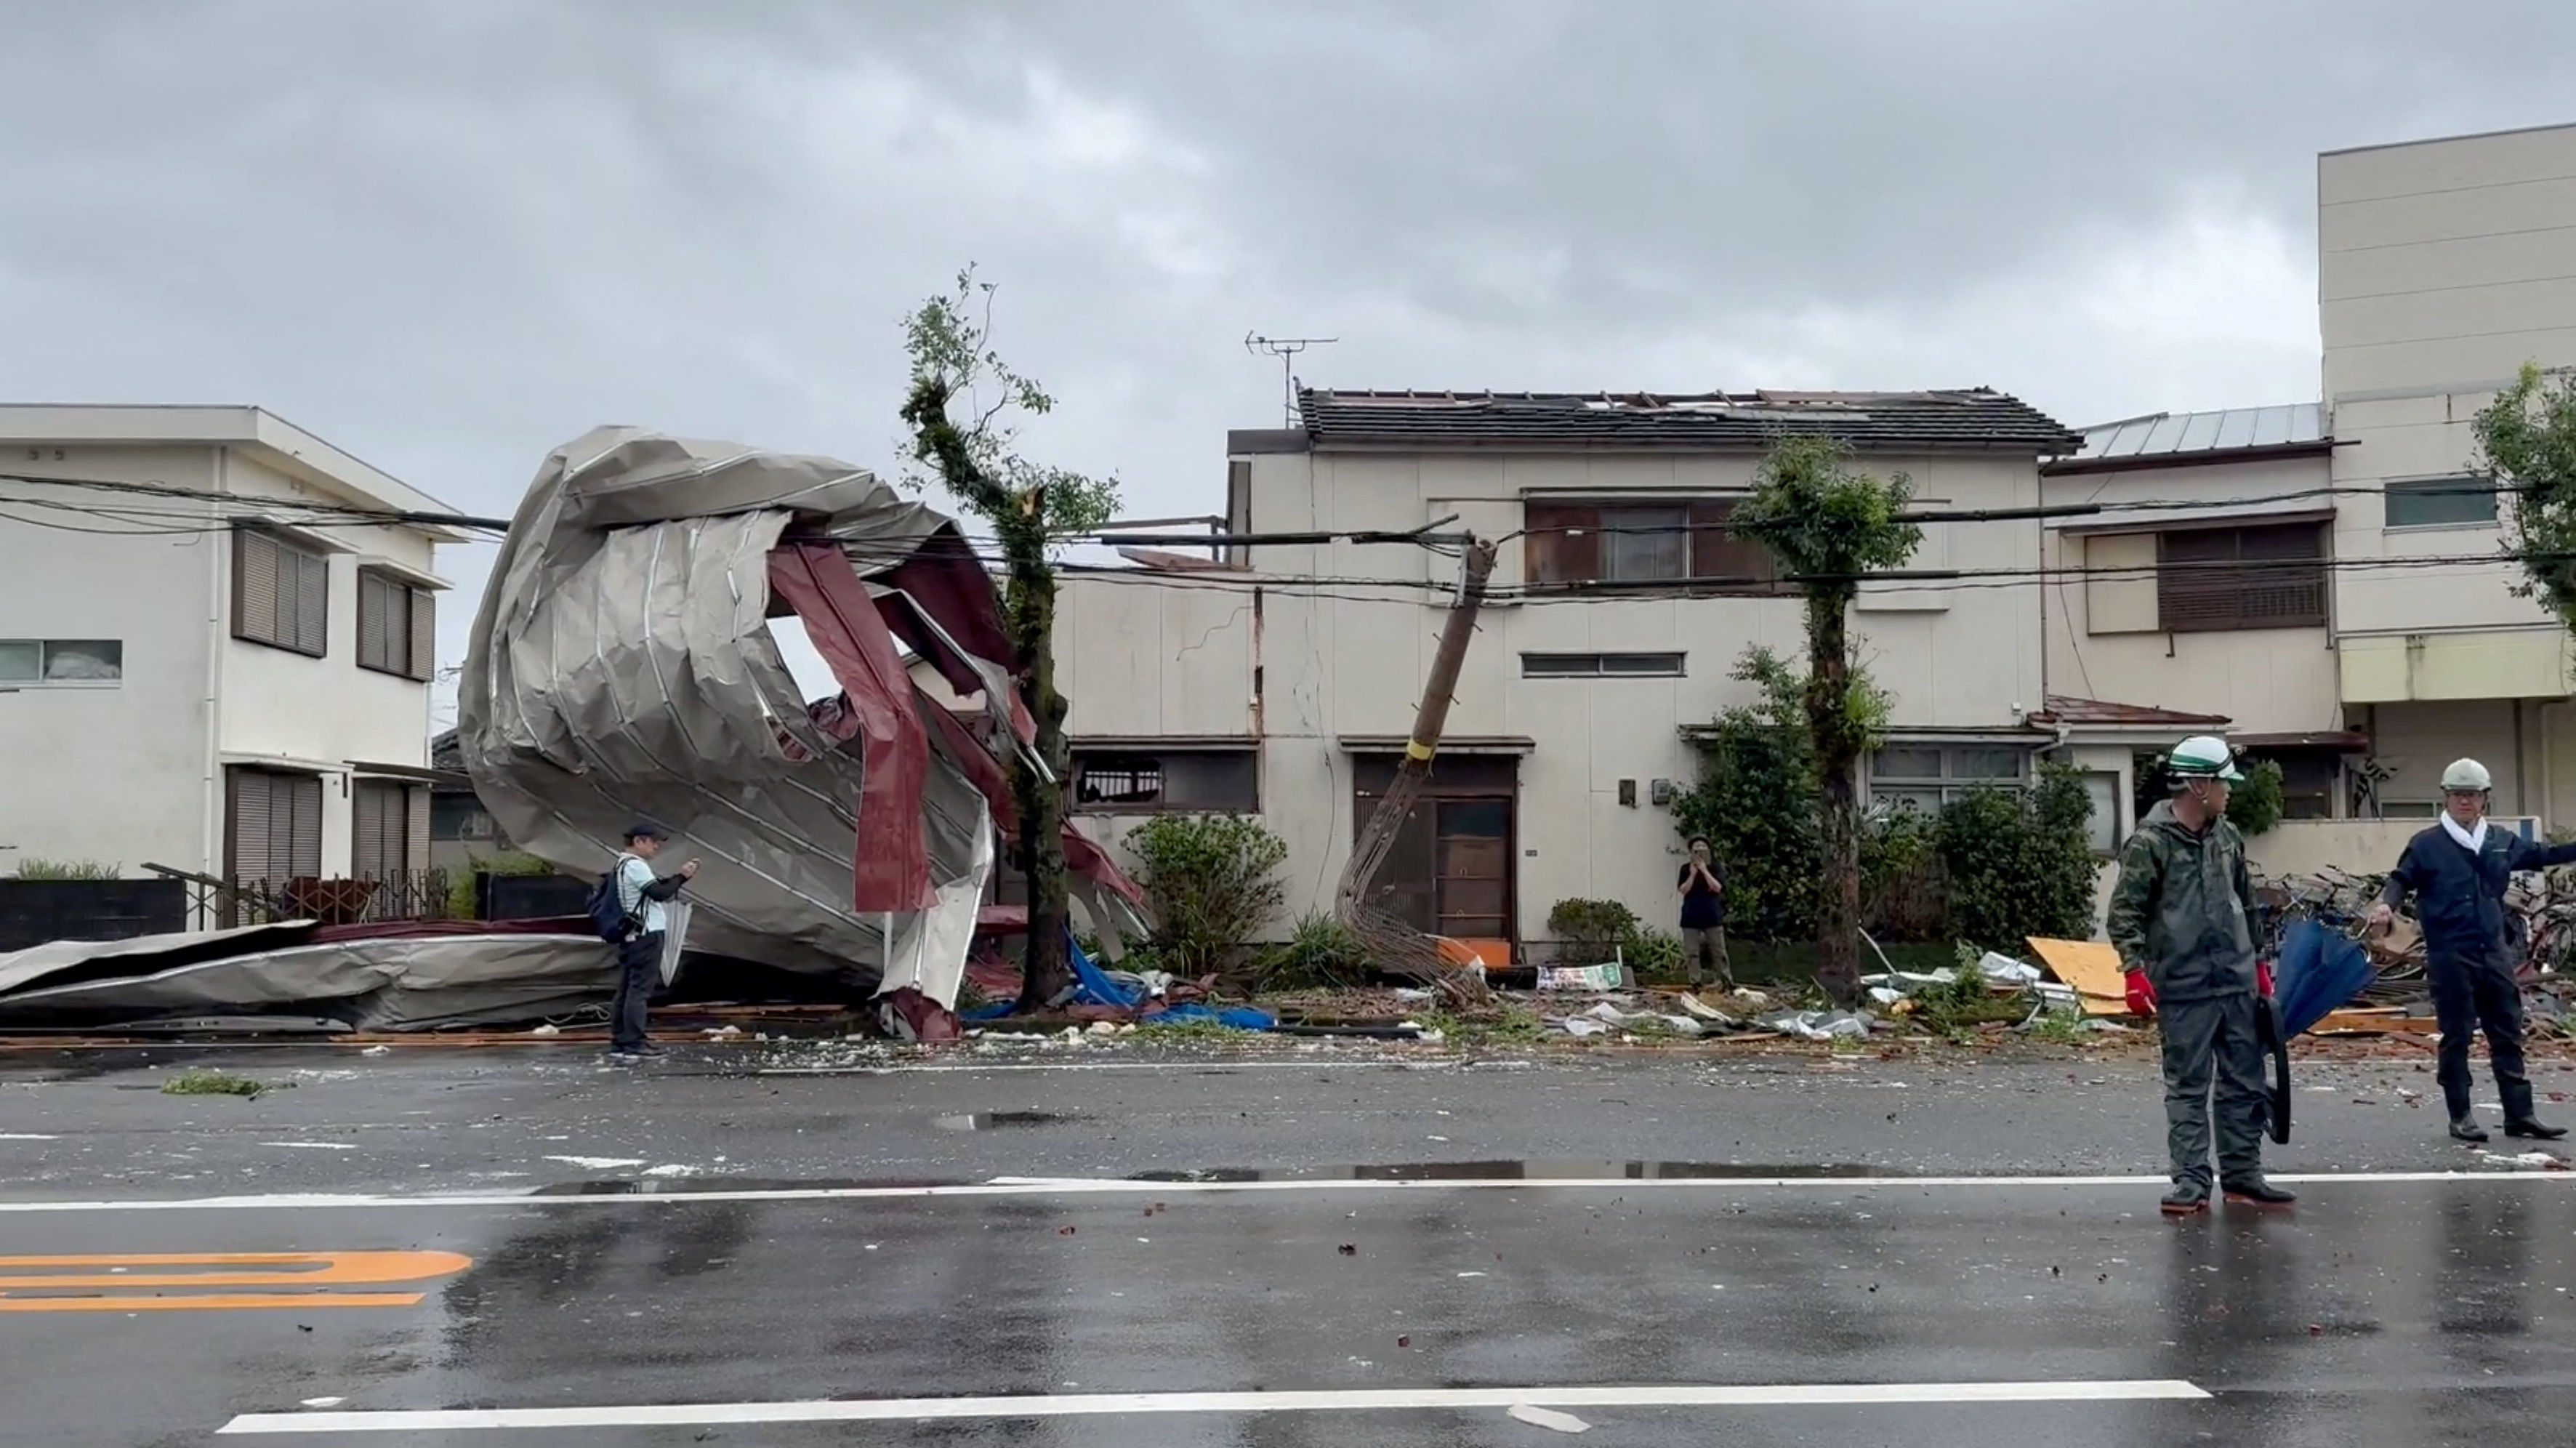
(451, 236)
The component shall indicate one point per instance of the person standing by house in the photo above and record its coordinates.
(2182, 918)
(1702, 887)
(639, 955)
(2458, 870)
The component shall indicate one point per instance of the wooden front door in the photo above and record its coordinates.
(1450, 872)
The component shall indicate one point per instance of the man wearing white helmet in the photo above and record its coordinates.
(2182, 918)
(2458, 870)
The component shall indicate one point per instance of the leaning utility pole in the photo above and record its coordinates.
(1393, 944)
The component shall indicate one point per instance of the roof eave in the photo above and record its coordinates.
(2143, 462)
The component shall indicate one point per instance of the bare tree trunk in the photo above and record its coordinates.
(1838, 739)
(1044, 972)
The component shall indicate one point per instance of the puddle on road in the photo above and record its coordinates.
(1432, 1171)
(1539, 1170)
(998, 1120)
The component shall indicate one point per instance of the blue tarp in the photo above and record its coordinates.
(1240, 1018)
(1092, 986)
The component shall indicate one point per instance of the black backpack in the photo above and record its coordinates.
(608, 913)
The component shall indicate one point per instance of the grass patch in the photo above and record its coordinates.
(67, 870)
(1506, 1023)
(212, 1083)
(1169, 1032)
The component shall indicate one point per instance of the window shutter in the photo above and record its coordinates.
(424, 633)
(248, 794)
(367, 830)
(1563, 543)
(303, 839)
(415, 799)
(1717, 553)
(255, 580)
(312, 603)
(375, 623)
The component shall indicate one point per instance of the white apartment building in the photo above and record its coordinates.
(209, 660)
(2443, 266)
(1283, 679)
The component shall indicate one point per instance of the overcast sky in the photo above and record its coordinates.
(450, 236)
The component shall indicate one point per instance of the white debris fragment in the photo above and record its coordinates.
(1104, 1028)
(598, 1163)
(1549, 1419)
(549, 1029)
(671, 1169)
(312, 1145)
(377, 1051)
(324, 1402)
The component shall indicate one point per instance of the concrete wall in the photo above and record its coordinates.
(2443, 266)
(1181, 655)
(114, 774)
(2265, 680)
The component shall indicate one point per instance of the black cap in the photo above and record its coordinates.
(646, 830)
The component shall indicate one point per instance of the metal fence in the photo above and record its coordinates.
(215, 903)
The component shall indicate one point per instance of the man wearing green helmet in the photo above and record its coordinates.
(2182, 918)
(2458, 870)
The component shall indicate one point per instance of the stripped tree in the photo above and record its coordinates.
(963, 410)
(1828, 525)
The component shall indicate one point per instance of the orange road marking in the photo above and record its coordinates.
(293, 1279)
(210, 1303)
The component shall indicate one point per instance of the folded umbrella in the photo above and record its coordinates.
(2319, 971)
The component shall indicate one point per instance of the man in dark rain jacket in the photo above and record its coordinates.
(2182, 918)
(2458, 870)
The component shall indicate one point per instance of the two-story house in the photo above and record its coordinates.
(2442, 267)
(2323, 580)
(1283, 679)
(215, 647)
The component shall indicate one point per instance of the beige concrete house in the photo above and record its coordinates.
(2443, 266)
(209, 658)
(1282, 679)
(2321, 580)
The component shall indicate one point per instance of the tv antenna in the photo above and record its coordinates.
(1286, 350)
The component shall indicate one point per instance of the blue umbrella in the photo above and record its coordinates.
(2319, 970)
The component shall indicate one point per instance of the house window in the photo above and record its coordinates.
(1927, 777)
(2102, 791)
(1138, 782)
(2440, 502)
(1646, 542)
(455, 815)
(2309, 779)
(281, 593)
(2267, 576)
(388, 830)
(397, 625)
(1602, 666)
(273, 825)
(75, 663)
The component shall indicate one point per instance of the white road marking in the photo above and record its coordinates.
(25, 1136)
(650, 1192)
(1086, 1405)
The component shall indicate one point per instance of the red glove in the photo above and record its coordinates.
(2142, 996)
(2263, 978)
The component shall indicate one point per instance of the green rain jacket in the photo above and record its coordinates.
(2184, 909)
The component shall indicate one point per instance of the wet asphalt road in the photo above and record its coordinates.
(730, 1250)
